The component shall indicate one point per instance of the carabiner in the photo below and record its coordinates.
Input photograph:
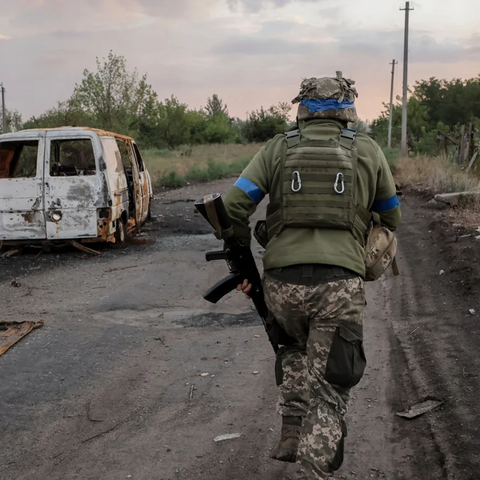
(298, 180)
(337, 181)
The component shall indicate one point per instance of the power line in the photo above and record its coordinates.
(390, 119)
(407, 10)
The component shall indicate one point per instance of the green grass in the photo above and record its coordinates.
(392, 155)
(203, 163)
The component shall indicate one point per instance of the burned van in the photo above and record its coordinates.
(69, 183)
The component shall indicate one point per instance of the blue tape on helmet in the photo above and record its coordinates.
(317, 105)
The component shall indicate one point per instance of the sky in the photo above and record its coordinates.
(251, 53)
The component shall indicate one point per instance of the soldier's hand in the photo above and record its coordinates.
(245, 287)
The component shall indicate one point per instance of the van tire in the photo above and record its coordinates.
(120, 235)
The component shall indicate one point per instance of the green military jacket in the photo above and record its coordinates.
(292, 246)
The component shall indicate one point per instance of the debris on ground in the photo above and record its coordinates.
(192, 390)
(420, 409)
(457, 199)
(85, 249)
(10, 253)
(142, 240)
(12, 332)
(472, 311)
(228, 436)
(15, 283)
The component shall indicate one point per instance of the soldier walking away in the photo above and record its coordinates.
(325, 182)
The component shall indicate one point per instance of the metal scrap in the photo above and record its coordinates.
(228, 436)
(420, 409)
(85, 249)
(12, 332)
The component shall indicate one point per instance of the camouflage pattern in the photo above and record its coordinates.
(311, 314)
(325, 88)
(380, 252)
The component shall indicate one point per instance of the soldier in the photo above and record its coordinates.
(324, 182)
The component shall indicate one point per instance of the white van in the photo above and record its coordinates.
(71, 184)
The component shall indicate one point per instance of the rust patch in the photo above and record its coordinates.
(12, 332)
(28, 216)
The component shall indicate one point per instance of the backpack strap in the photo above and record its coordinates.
(347, 137)
(293, 138)
(396, 271)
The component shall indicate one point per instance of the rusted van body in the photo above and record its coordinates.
(70, 183)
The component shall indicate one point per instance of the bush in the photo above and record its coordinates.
(392, 155)
(171, 180)
(213, 171)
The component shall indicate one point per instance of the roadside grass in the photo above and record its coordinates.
(436, 174)
(393, 156)
(202, 163)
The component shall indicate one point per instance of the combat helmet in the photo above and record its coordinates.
(327, 97)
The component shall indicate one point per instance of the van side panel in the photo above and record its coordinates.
(21, 188)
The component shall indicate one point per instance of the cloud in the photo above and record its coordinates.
(258, 46)
(194, 48)
(4, 37)
(30, 17)
(255, 6)
(423, 46)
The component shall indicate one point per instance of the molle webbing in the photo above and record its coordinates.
(318, 189)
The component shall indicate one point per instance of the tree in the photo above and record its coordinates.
(115, 97)
(172, 122)
(64, 114)
(14, 121)
(261, 125)
(216, 107)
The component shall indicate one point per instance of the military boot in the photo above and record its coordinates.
(286, 450)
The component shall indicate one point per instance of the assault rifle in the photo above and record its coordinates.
(239, 259)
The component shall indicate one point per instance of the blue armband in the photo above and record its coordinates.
(250, 189)
(386, 205)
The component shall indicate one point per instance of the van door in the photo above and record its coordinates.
(73, 185)
(144, 182)
(21, 187)
(132, 173)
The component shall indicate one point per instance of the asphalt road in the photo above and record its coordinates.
(134, 374)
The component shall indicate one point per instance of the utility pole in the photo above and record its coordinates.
(4, 116)
(407, 10)
(390, 120)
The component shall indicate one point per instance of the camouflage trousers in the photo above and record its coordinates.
(313, 315)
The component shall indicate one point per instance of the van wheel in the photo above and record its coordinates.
(120, 235)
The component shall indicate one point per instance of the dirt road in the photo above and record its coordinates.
(134, 375)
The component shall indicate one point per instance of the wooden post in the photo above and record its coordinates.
(471, 145)
(461, 156)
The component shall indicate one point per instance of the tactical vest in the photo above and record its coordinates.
(318, 187)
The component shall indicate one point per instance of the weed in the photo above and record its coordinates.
(392, 155)
(436, 174)
(170, 180)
